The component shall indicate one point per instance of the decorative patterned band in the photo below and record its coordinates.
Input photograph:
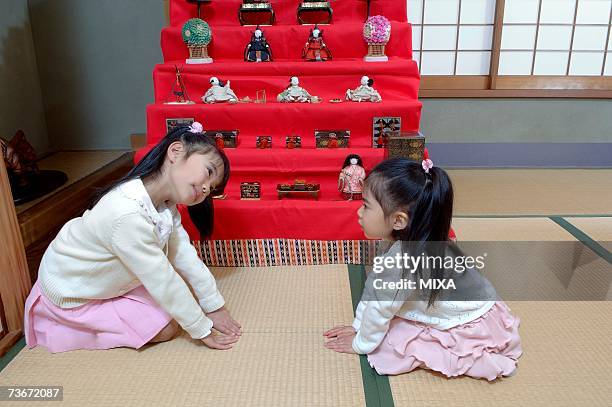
(285, 252)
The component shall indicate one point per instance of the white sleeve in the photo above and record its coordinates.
(133, 241)
(184, 258)
(378, 307)
(375, 320)
(359, 315)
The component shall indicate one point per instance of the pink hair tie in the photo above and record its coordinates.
(196, 127)
(427, 164)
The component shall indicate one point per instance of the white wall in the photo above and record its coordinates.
(96, 59)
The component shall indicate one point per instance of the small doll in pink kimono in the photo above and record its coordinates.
(350, 182)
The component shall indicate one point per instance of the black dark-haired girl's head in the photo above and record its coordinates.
(347, 160)
(401, 186)
(152, 164)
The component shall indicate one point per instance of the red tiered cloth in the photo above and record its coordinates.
(328, 218)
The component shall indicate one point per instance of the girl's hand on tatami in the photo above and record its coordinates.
(224, 323)
(340, 331)
(221, 342)
(342, 344)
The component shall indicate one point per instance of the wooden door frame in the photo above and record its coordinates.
(3, 323)
(15, 283)
(494, 85)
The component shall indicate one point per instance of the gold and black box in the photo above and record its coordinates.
(250, 190)
(229, 137)
(332, 138)
(407, 145)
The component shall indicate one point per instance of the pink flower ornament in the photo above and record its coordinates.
(377, 30)
(196, 127)
(427, 165)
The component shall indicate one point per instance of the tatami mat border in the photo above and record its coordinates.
(6, 359)
(376, 388)
(584, 238)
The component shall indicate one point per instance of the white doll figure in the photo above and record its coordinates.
(294, 93)
(364, 92)
(218, 92)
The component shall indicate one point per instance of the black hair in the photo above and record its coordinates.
(370, 82)
(316, 27)
(347, 160)
(202, 214)
(221, 83)
(399, 184)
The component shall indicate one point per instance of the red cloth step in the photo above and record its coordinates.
(335, 67)
(286, 218)
(398, 79)
(287, 42)
(283, 119)
(278, 166)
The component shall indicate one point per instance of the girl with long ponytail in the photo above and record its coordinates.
(416, 309)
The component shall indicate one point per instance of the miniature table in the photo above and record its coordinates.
(287, 193)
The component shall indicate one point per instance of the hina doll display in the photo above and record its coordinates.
(315, 49)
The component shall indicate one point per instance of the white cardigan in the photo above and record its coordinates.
(122, 243)
(373, 316)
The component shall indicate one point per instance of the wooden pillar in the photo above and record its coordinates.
(167, 11)
(15, 281)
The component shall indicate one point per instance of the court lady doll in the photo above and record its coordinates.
(352, 176)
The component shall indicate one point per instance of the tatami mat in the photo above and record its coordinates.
(598, 229)
(566, 343)
(532, 191)
(551, 265)
(509, 229)
(565, 362)
(279, 361)
(287, 299)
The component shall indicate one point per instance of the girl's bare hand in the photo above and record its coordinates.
(340, 331)
(221, 342)
(224, 323)
(341, 344)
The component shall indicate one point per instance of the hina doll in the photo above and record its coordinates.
(219, 92)
(352, 176)
(258, 49)
(315, 49)
(296, 94)
(364, 92)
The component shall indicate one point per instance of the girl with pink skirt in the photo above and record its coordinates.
(420, 314)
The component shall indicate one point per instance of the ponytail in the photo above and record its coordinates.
(426, 197)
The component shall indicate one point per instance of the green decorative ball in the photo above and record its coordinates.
(196, 32)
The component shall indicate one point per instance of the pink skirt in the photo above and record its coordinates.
(487, 347)
(130, 320)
